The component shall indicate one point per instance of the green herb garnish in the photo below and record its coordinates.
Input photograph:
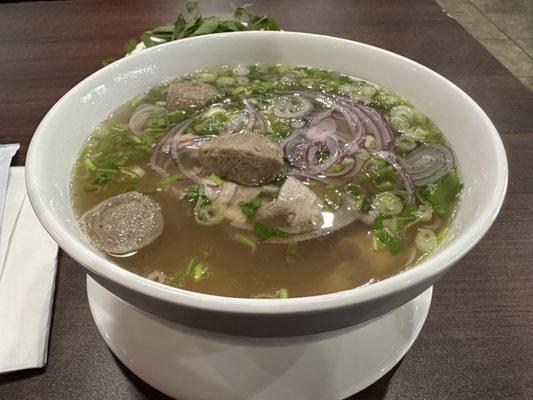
(167, 180)
(392, 241)
(197, 25)
(246, 241)
(441, 194)
(264, 232)
(218, 181)
(249, 208)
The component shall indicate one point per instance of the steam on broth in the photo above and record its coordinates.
(266, 181)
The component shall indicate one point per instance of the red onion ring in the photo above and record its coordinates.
(138, 118)
(321, 126)
(428, 163)
(407, 181)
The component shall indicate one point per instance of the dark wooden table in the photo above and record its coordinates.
(478, 339)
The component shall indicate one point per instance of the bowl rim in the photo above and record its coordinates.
(424, 271)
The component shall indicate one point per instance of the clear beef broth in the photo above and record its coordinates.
(116, 161)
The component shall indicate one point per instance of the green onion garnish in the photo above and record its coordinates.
(218, 181)
(246, 241)
(167, 180)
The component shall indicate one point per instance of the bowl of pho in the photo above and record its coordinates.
(266, 183)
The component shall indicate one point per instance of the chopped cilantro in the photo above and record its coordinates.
(378, 222)
(392, 241)
(249, 208)
(264, 232)
(441, 194)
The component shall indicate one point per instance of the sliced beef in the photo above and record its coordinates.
(245, 158)
(183, 95)
(123, 223)
(234, 213)
(296, 203)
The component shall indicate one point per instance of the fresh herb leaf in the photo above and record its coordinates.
(206, 26)
(195, 193)
(378, 222)
(246, 241)
(249, 208)
(197, 25)
(179, 25)
(441, 194)
(130, 45)
(392, 241)
(264, 232)
(192, 5)
(175, 117)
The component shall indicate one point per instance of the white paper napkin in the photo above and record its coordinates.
(28, 260)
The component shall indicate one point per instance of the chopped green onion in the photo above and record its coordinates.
(161, 103)
(198, 272)
(90, 165)
(246, 241)
(442, 234)
(209, 214)
(282, 293)
(406, 143)
(387, 204)
(218, 181)
(425, 240)
(167, 180)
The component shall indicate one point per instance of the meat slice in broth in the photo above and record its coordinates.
(184, 95)
(296, 203)
(246, 158)
(124, 223)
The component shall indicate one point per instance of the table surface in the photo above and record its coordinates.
(478, 339)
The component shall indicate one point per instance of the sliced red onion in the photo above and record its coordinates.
(321, 126)
(295, 149)
(283, 104)
(383, 130)
(428, 163)
(407, 181)
(178, 136)
(328, 144)
(346, 109)
(191, 145)
(138, 118)
(162, 147)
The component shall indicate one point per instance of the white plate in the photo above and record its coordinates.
(191, 364)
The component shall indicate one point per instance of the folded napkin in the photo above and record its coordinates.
(28, 260)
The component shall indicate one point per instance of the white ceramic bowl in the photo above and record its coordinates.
(478, 147)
